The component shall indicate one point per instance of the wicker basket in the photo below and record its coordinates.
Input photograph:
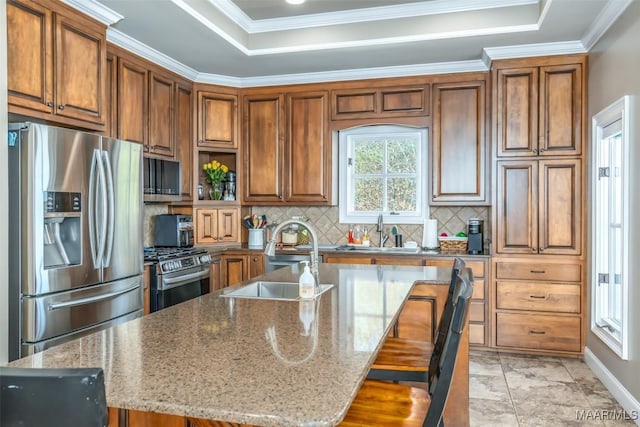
(453, 244)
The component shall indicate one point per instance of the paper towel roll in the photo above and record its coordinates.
(430, 234)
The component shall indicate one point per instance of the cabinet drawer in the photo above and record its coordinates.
(478, 289)
(538, 332)
(476, 311)
(538, 271)
(476, 334)
(476, 266)
(557, 297)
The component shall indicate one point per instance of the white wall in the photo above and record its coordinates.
(4, 208)
(614, 71)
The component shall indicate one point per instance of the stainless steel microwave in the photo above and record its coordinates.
(161, 180)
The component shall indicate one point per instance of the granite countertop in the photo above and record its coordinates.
(248, 361)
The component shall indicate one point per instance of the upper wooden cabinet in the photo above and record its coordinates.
(161, 121)
(58, 63)
(539, 209)
(217, 225)
(153, 108)
(308, 148)
(184, 137)
(287, 148)
(459, 159)
(263, 136)
(539, 110)
(217, 120)
(362, 103)
(132, 104)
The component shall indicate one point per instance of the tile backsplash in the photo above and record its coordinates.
(451, 220)
(151, 209)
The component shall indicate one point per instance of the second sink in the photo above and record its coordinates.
(287, 291)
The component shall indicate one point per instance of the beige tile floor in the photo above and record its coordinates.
(522, 391)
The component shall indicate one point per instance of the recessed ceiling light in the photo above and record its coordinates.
(295, 1)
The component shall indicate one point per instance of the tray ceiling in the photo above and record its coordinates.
(264, 42)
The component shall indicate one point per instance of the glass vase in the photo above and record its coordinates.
(215, 192)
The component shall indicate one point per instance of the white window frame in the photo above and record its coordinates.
(613, 120)
(347, 215)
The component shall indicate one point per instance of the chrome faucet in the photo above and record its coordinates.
(270, 248)
(383, 236)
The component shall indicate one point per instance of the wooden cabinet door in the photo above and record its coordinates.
(560, 110)
(235, 269)
(263, 148)
(517, 207)
(206, 226)
(517, 111)
(228, 225)
(184, 138)
(308, 148)
(80, 58)
(29, 52)
(217, 120)
(560, 207)
(459, 169)
(132, 102)
(161, 123)
(215, 279)
(111, 113)
(256, 265)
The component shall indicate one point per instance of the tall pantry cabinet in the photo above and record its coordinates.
(538, 273)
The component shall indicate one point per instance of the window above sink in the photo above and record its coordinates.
(383, 170)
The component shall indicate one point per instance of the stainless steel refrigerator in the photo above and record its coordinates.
(75, 235)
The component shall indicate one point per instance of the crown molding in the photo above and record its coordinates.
(124, 41)
(539, 49)
(95, 10)
(603, 21)
(407, 10)
(353, 74)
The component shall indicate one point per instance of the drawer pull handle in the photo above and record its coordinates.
(537, 332)
(538, 296)
(537, 271)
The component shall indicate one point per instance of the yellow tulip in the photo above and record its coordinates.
(224, 168)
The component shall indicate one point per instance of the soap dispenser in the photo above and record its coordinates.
(306, 283)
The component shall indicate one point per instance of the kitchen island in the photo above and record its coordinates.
(248, 361)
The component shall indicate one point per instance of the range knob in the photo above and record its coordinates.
(205, 259)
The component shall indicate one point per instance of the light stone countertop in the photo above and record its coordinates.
(246, 360)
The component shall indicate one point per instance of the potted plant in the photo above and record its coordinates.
(215, 172)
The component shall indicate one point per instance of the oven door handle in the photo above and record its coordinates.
(83, 301)
(172, 282)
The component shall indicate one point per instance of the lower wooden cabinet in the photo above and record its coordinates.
(215, 274)
(418, 317)
(146, 289)
(478, 311)
(217, 225)
(538, 331)
(538, 304)
(238, 267)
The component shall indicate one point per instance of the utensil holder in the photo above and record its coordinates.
(256, 238)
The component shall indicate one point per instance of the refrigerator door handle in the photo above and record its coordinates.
(102, 194)
(110, 209)
(92, 211)
(88, 300)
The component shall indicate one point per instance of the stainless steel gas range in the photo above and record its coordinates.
(177, 275)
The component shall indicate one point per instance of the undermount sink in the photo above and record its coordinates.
(386, 249)
(285, 291)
